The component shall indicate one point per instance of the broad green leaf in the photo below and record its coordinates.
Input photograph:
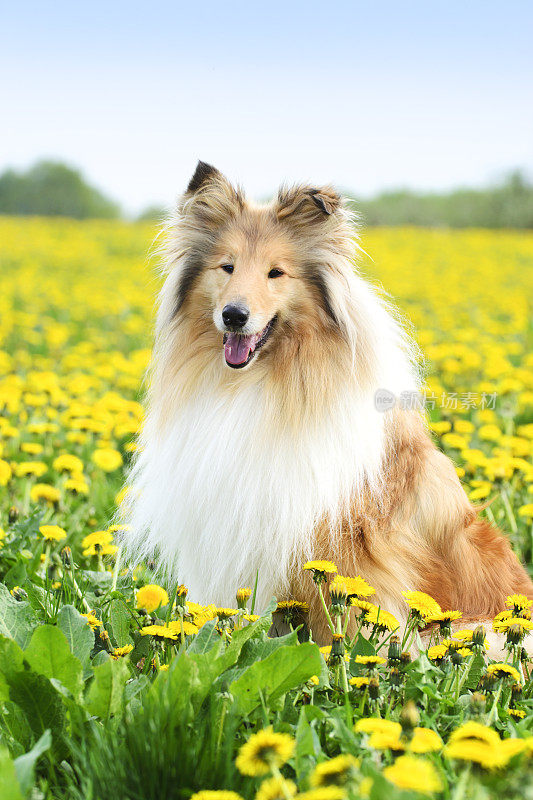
(105, 694)
(307, 745)
(40, 702)
(49, 654)
(11, 658)
(15, 728)
(17, 618)
(475, 672)
(282, 670)
(205, 639)
(77, 632)
(25, 765)
(9, 785)
(120, 622)
(258, 649)
(16, 575)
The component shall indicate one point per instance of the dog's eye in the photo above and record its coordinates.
(227, 268)
(275, 273)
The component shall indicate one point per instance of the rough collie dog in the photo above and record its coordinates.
(263, 445)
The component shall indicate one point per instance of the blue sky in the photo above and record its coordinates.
(367, 95)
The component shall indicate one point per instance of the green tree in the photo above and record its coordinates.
(50, 188)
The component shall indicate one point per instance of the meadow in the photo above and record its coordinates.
(113, 683)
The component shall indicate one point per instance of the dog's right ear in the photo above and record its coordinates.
(210, 198)
(203, 173)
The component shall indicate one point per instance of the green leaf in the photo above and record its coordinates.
(475, 672)
(16, 575)
(105, 694)
(17, 619)
(206, 639)
(25, 765)
(9, 785)
(49, 654)
(120, 622)
(15, 728)
(78, 633)
(282, 670)
(40, 702)
(258, 649)
(307, 745)
(11, 658)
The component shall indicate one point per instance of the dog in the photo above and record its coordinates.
(264, 444)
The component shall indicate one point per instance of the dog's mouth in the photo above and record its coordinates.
(239, 349)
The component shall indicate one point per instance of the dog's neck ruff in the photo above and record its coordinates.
(229, 492)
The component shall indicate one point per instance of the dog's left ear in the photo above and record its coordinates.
(307, 204)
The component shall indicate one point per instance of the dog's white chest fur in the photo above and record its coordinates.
(229, 493)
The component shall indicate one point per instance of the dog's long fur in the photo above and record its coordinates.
(252, 471)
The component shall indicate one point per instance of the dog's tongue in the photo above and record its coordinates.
(237, 348)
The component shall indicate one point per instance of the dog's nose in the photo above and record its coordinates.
(235, 316)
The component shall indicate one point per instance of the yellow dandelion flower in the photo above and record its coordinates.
(5, 472)
(243, 594)
(414, 774)
(444, 616)
(421, 603)
(476, 731)
(35, 468)
(92, 620)
(188, 628)
(263, 750)
(292, 605)
(151, 597)
(67, 463)
(97, 538)
(381, 619)
(377, 725)
(517, 713)
(425, 740)
(518, 602)
(226, 613)
(359, 682)
(437, 652)
(355, 587)
(275, 789)
(526, 511)
(370, 661)
(323, 793)
(504, 671)
(335, 772)
(107, 459)
(160, 632)
(120, 652)
(42, 491)
(321, 567)
(503, 625)
(52, 533)
(32, 448)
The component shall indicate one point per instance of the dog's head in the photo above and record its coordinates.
(259, 272)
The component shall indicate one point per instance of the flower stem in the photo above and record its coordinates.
(324, 606)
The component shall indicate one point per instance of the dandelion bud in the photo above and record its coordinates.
(524, 655)
(477, 703)
(66, 557)
(337, 646)
(19, 593)
(242, 596)
(395, 651)
(409, 717)
(13, 515)
(405, 658)
(106, 641)
(478, 636)
(373, 688)
(514, 634)
(181, 595)
(339, 596)
(395, 677)
(516, 692)
(456, 658)
(487, 681)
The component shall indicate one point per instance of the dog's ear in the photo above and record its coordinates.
(305, 204)
(210, 197)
